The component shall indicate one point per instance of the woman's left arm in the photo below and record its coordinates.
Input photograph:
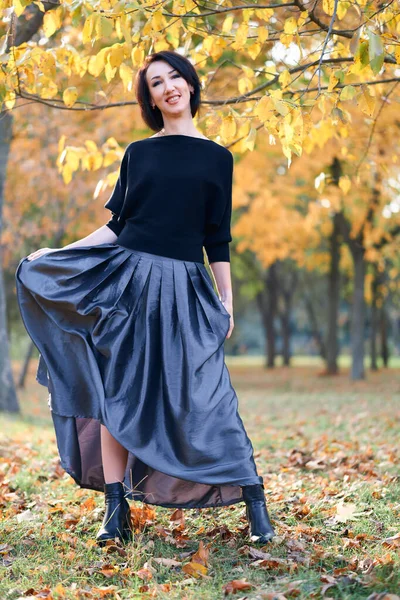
(222, 274)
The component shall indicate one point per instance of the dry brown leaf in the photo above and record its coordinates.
(144, 574)
(237, 585)
(177, 515)
(201, 556)
(167, 562)
(393, 541)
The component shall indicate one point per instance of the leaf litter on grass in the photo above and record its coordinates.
(331, 486)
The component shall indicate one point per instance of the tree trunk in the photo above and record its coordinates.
(267, 301)
(383, 322)
(272, 295)
(285, 326)
(287, 287)
(24, 370)
(358, 314)
(374, 323)
(332, 346)
(315, 330)
(22, 29)
(8, 396)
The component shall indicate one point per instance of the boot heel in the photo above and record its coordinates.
(117, 518)
(260, 528)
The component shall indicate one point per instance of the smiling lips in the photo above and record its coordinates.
(173, 99)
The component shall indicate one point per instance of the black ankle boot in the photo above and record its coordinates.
(261, 530)
(117, 517)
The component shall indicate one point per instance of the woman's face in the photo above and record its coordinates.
(169, 91)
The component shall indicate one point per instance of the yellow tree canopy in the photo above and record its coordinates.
(261, 67)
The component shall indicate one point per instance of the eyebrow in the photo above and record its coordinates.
(171, 71)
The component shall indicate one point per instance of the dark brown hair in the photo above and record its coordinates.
(153, 116)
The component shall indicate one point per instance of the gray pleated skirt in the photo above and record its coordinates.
(135, 341)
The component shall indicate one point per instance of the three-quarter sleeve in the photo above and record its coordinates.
(116, 201)
(218, 219)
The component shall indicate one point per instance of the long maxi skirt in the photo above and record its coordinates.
(135, 341)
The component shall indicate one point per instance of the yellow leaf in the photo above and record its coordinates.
(245, 85)
(286, 39)
(263, 108)
(290, 26)
(262, 34)
(302, 19)
(52, 21)
(91, 145)
(264, 13)
(137, 55)
(281, 106)
(345, 184)
(157, 20)
(227, 24)
(328, 6)
(109, 72)
(126, 74)
(366, 101)
(61, 143)
(69, 96)
(97, 62)
(49, 88)
(9, 100)
(333, 80)
(397, 54)
(19, 7)
(342, 9)
(116, 55)
(254, 50)
(347, 93)
(241, 36)
(249, 141)
(228, 128)
(285, 78)
(88, 28)
(195, 569)
(103, 27)
(125, 26)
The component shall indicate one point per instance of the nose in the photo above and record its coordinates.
(169, 87)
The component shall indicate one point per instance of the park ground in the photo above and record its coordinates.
(328, 450)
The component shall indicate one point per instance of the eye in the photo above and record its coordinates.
(173, 77)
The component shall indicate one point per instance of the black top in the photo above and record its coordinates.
(173, 196)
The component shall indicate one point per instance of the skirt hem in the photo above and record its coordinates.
(163, 505)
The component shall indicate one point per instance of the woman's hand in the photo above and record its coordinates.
(40, 252)
(229, 307)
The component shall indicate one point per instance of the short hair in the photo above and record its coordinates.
(153, 116)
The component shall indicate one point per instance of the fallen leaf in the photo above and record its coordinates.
(346, 511)
(201, 556)
(177, 515)
(144, 574)
(393, 541)
(167, 562)
(237, 585)
(195, 569)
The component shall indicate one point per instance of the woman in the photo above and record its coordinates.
(130, 331)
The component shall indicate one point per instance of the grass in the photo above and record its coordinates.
(327, 449)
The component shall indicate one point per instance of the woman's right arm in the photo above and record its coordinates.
(103, 235)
